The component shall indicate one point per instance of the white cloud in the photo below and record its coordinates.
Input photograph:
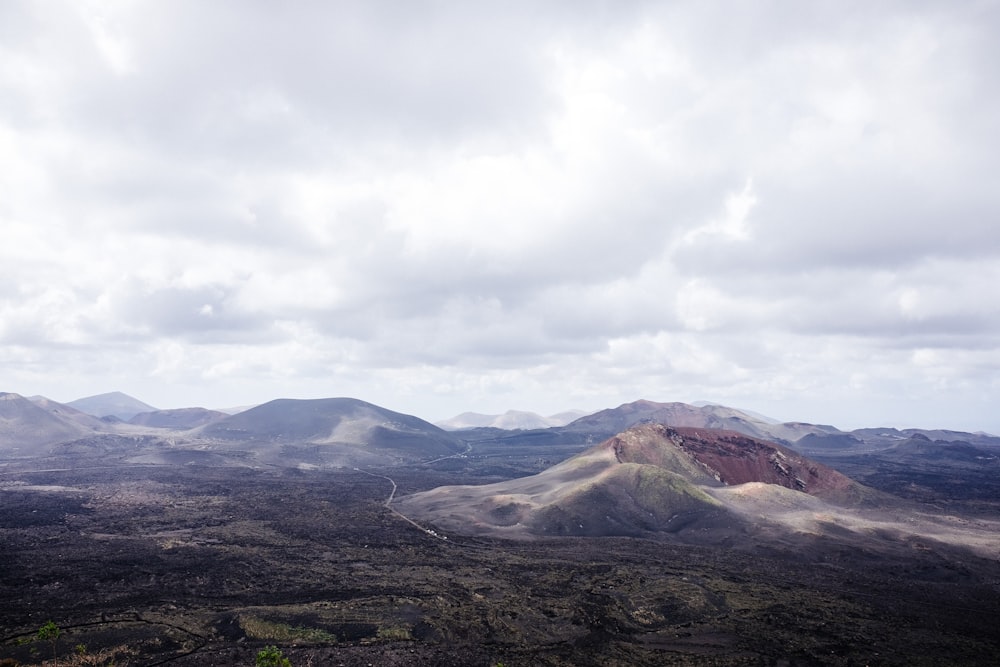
(733, 224)
(448, 208)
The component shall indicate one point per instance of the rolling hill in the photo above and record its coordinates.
(339, 431)
(29, 429)
(178, 419)
(650, 478)
(112, 404)
(615, 420)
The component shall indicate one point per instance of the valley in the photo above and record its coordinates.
(158, 547)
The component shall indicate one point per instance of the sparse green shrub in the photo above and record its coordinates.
(264, 630)
(270, 656)
(394, 632)
(50, 633)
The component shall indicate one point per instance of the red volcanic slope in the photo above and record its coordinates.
(734, 458)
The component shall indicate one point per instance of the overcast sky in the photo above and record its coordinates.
(791, 207)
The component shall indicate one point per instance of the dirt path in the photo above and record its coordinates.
(388, 506)
(468, 449)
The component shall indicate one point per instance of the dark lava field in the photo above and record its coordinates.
(204, 565)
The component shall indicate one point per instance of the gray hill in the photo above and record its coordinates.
(114, 404)
(615, 420)
(66, 412)
(179, 419)
(510, 420)
(339, 431)
(888, 436)
(918, 448)
(763, 418)
(28, 429)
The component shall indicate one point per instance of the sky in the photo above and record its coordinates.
(441, 207)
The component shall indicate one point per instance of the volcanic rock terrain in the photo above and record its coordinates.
(650, 478)
(699, 486)
(348, 534)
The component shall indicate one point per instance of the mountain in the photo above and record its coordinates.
(811, 439)
(827, 442)
(650, 478)
(757, 415)
(114, 404)
(888, 437)
(66, 412)
(340, 431)
(614, 420)
(510, 420)
(179, 419)
(235, 409)
(28, 429)
(919, 449)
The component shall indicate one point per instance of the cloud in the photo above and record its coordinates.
(441, 208)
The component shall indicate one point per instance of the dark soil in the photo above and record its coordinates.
(192, 565)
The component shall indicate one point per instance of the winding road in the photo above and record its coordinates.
(388, 506)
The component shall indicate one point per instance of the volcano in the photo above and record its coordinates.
(332, 431)
(648, 479)
(28, 429)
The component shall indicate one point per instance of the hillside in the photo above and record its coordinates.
(615, 420)
(650, 478)
(341, 429)
(180, 418)
(112, 404)
(28, 429)
(510, 420)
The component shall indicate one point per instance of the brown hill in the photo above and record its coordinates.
(650, 478)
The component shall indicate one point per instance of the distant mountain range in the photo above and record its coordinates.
(705, 474)
(510, 420)
(332, 431)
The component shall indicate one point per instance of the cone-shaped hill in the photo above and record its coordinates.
(650, 478)
(337, 430)
(28, 429)
(615, 420)
(112, 404)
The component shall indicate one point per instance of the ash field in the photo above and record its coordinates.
(347, 534)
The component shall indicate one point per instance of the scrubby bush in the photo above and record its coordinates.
(50, 633)
(270, 656)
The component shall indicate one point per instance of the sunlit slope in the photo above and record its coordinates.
(333, 423)
(28, 429)
(650, 478)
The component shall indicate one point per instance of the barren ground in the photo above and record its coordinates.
(191, 565)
